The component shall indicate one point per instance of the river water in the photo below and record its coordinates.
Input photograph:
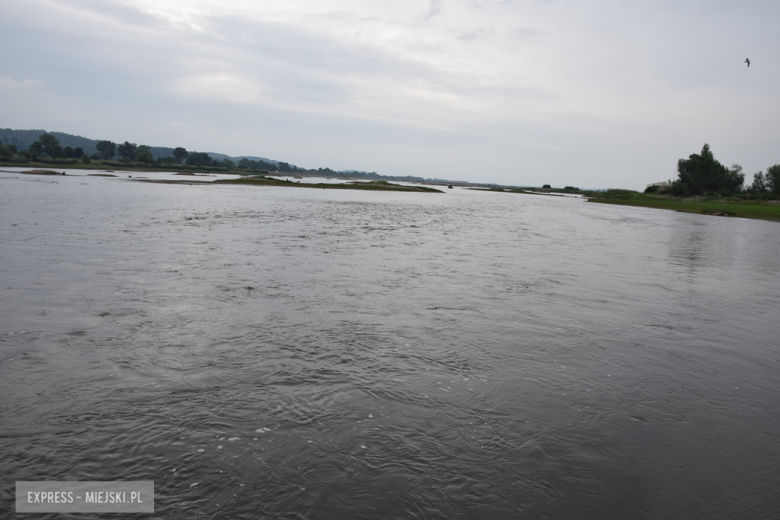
(318, 354)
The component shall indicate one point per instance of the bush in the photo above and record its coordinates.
(677, 189)
(651, 189)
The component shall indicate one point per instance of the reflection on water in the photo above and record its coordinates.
(266, 352)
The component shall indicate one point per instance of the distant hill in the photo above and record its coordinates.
(222, 157)
(22, 139)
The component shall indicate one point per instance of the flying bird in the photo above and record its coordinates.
(747, 60)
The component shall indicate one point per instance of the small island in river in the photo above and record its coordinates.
(261, 180)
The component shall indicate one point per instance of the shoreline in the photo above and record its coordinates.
(756, 210)
(256, 181)
(721, 207)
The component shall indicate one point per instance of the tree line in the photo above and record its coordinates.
(48, 146)
(701, 173)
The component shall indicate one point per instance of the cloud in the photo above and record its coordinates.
(435, 8)
(539, 76)
(9, 83)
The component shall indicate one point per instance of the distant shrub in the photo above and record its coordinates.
(651, 189)
(547, 187)
(677, 189)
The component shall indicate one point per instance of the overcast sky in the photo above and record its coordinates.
(595, 94)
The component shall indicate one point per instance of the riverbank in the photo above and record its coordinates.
(717, 206)
(705, 205)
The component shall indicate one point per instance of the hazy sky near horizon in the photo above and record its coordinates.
(596, 94)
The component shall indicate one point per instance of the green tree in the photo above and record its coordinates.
(227, 163)
(773, 179)
(5, 152)
(50, 145)
(85, 159)
(106, 150)
(244, 163)
(144, 154)
(67, 152)
(735, 179)
(759, 184)
(35, 150)
(199, 159)
(78, 152)
(127, 150)
(180, 154)
(702, 172)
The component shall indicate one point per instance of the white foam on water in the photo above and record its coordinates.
(370, 416)
(219, 447)
(234, 439)
(198, 451)
(259, 430)
(194, 484)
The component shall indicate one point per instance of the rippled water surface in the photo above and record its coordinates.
(315, 354)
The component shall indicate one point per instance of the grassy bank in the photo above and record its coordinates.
(712, 205)
(720, 206)
(371, 186)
